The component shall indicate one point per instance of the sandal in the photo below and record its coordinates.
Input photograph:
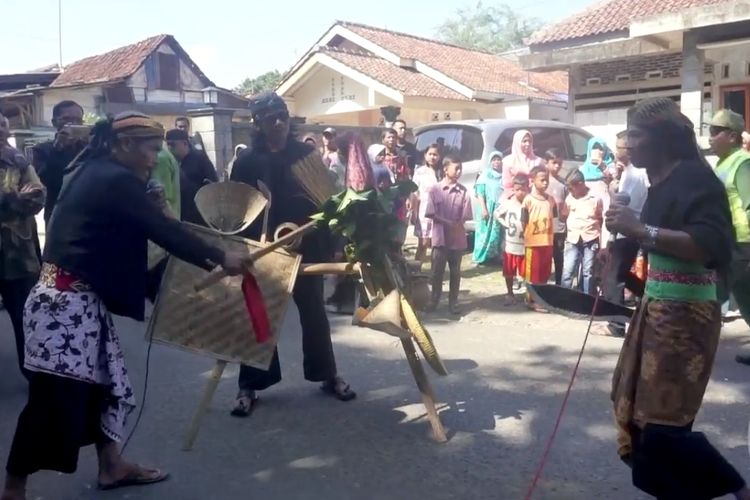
(138, 477)
(339, 389)
(245, 404)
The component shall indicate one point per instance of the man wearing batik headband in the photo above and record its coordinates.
(95, 266)
(274, 150)
(669, 350)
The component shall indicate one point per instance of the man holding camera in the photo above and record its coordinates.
(51, 158)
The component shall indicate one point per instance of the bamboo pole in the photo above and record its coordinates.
(219, 274)
(200, 412)
(417, 370)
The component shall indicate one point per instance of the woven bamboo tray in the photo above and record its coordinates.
(215, 321)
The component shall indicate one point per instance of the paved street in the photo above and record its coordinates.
(509, 370)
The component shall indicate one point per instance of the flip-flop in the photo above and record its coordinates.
(137, 478)
(338, 389)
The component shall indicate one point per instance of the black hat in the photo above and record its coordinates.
(177, 134)
(266, 104)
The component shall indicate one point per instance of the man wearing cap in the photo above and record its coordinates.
(733, 169)
(270, 158)
(196, 170)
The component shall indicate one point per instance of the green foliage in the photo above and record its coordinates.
(92, 118)
(266, 81)
(367, 220)
(490, 28)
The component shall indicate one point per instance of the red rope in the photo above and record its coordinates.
(563, 406)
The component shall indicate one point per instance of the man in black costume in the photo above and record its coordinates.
(274, 150)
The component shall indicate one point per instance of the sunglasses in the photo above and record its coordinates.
(271, 119)
(714, 130)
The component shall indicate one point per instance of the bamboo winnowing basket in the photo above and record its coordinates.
(215, 321)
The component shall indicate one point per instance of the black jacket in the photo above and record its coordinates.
(50, 165)
(196, 170)
(410, 152)
(99, 233)
(289, 201)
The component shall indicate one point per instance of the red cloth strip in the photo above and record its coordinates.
(256, 308)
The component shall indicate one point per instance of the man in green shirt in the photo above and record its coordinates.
(733, 169)
(167, 172)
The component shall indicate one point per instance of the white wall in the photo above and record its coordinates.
(515, 111)
(86, 97)
(603, 123)
(329, 92)
(539, 111)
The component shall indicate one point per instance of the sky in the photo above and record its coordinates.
(228, 39)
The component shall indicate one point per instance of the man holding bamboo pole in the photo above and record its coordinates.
(274, 150)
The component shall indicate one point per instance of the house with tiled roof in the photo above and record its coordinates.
(617, 52)
(357, 74)
(155, 76)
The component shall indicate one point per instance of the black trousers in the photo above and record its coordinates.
(441, 257)
(622, 255)
(675, 463)
(61, 416)
(558, 256)
(14, 294)
(319, 362)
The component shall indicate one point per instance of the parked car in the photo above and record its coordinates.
(475, 140)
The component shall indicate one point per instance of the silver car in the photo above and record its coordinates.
(475, 140)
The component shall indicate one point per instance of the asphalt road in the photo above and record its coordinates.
(509, 371)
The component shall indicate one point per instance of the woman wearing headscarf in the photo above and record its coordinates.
(669, 350)
(521, 159)
(239, 148)
(488, 235)
(94, 266)
(378, 159)
(596, 173)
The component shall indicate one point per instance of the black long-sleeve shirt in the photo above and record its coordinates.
(99, 233)
(50, 165)
(196, 170)
(289, 201)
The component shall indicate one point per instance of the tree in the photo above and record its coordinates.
(490, 28)
(262, 83)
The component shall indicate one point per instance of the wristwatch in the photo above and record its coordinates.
(649, 240)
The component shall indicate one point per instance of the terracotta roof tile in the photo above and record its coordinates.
(118, 64)
(480, 71)
(406, 81)
(609, 17)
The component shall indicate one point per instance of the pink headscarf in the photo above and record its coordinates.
(517, 162)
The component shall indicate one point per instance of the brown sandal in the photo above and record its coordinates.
(139, 477)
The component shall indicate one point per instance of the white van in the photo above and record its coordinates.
(475, 140)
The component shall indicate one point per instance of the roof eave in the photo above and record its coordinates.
(339, 29)
(578, 41)
(100, 83)
(563, 59)
(722, 13)
(296, 78)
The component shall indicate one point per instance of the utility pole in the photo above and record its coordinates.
(59, 34)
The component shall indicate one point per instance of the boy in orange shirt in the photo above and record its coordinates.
(538, 216)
